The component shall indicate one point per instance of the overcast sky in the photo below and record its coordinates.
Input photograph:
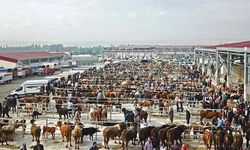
(126, 21)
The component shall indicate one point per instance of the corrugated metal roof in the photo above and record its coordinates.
(17, 56)
(232, 45)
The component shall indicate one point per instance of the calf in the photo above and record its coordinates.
(89, 131)
(35, 114)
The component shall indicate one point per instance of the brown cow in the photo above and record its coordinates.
(208, 139)
(50, 130)
(238, 141)
(113, 132)
(146, 103)
(76, 133)
(35, 131)
(129, 135)
(104, 114)
(99, 114)
(209, 115)
(65, 131)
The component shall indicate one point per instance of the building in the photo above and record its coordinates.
(84, 59)
(18, 59)
(226, 63)
(163, 51)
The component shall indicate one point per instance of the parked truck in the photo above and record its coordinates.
(5, 78)
(31, 87)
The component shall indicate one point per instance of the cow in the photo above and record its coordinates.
(65, 131)
(247, 137)
(208, 139)
(35, 131)
(35, 114)
(162, 133)
(174, 134)
(76, 133)
(209, 115)
(129, 135)
(89, 131)
(228, 140)
(238, 141)
(113, 132)
(50, 130)
(144, 133)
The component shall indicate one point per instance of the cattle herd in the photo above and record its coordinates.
(148, 88)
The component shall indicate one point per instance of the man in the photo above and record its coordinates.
(221, 123)
(13, 103)
(148, 144)
(171, 115)
(23, 147)
(38, 146)
(6, 110)
(94, 147)
(188, 116)
(1, 110)
(70, 108)
(177, 105)
(246, 113)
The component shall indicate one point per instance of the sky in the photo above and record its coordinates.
(124, 21)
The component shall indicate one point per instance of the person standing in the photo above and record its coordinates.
(161, 105)
(70, 108)
(171, 115)
(1, 110)
(188, 116)
(6, 110)
(23, 147)
(246, 113)
(177, 105)
(94, 147)
(148, 144)
(221, 122)
(38, 146)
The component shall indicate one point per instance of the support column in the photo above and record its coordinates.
(197, 57)
(245, 73)
(229, 67)
(217, 79)
(203, 62)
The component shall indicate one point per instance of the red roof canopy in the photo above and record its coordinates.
(17, 56)
(232, 45)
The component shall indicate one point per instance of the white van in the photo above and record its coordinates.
(31, 87)
(5, 78)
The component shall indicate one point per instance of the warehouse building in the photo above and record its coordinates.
(18, 59)
(81, 60)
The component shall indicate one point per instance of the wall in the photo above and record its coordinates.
(237, 73)
(7, 64)
(84, 59)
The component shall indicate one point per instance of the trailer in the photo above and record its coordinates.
(20, 72)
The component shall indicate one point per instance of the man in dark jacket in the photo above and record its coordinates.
(246, 113)
(38, 146)
(94, 147)
(188, 116)
(6, 110)
(1, 110)
(171, 115)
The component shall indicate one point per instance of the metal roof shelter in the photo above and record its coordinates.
(26, 58)
(226, 54)
(137, 50)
